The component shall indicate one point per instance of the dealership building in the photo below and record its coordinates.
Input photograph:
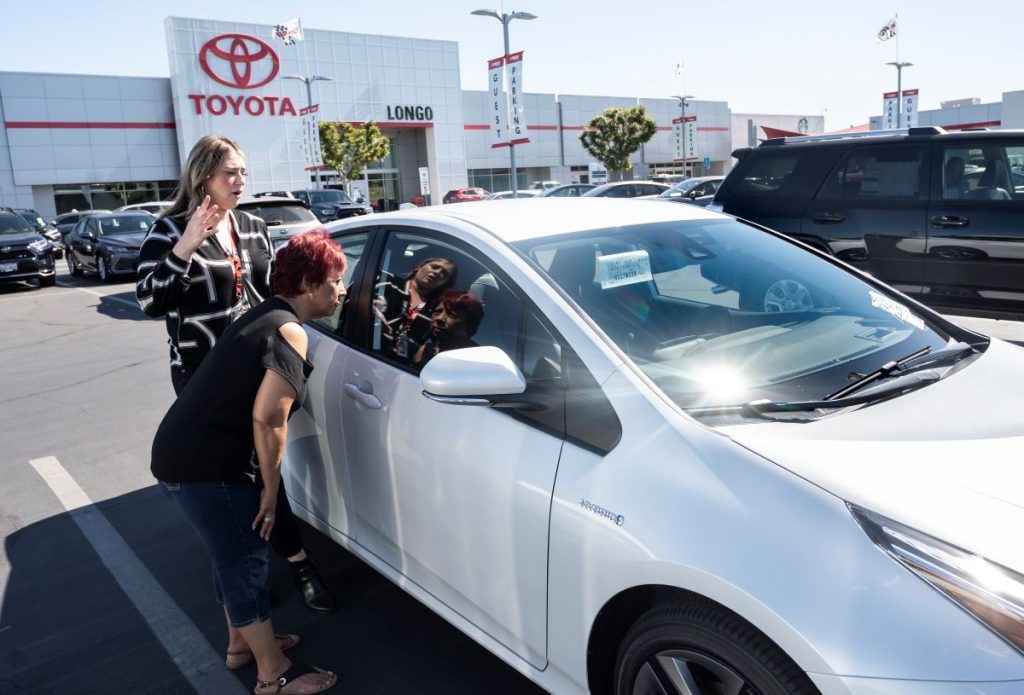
(72, 141)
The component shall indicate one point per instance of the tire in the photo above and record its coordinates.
(776, 295)
(73, 267)
(101, 269)
(700, 647)
(48, 281)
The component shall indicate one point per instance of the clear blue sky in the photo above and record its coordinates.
(762, 57)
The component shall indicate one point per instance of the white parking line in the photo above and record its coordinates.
(101, 295)
(201, 665)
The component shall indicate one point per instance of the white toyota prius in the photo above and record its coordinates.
(636, 448)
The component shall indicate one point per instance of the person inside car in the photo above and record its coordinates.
(953, 175)
(453, 323)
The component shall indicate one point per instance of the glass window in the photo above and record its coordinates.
(767, 172)
(983, 171)
(354, 246)
(878, 173)
(285, 213)
(124, 224)
(718, 312)
(430, 296)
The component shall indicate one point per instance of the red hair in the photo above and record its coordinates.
(466, 304)
(310, 256)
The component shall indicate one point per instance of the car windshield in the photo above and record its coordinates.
(717, 312)
(681, 188)
(13, 224)
(329, 196)
(124, 224)
(285, 213)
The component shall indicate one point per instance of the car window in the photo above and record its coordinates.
(430, 296)
(625, 191)
(874, 173)
(11, 223)
(275, 215)
(983, 171)
(766, 172)
(355, 246)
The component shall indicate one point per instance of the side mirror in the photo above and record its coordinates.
(473, 376)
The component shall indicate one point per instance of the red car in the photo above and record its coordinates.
(465, 195)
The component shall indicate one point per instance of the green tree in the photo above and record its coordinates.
(348, 148)
(616, 134)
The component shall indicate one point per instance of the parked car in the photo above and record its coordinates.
(626, 479)
(696, 191)
(568, 190)
(543, 185)
(25, 254)
(107, 243)
(669, 179)
(464, 195)
(153, 208)
(502, 195)
(67, 221)
(331, 204)
(935, 214)
(626, 189)
(41, 226)
(285, 217)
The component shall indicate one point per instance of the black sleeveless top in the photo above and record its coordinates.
(207, 435)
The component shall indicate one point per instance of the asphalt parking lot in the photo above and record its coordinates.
(103, 585)
(105, 588)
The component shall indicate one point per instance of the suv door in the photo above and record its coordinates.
(975, 236)
(871, 211)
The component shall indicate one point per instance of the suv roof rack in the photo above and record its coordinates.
(891, 132)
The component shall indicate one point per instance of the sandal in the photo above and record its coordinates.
(298, 679)
(236, 660)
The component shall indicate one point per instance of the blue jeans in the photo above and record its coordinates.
(222, 515)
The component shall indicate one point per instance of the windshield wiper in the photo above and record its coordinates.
(914, 360)
(902, 384)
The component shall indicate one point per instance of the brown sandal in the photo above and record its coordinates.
(298, 679)
(236, 660)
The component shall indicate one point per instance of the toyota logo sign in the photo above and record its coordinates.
(237, 60)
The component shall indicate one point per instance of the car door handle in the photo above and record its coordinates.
(950, 221)
(828, 217)
(367, 399)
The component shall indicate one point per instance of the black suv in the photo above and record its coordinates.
(52, 234)
(24, 253)
(329, 204)
(938, 215)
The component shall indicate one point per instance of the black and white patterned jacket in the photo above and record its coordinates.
(197, 297)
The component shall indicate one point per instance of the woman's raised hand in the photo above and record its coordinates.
(201, 226)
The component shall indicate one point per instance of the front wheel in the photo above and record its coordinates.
(73, 267)
(698, 648)
(101, 269)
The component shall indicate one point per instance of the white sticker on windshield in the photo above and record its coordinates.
(624, 268)
(889, 306)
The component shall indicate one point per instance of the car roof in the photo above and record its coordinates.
(881, 136)
(519, 220)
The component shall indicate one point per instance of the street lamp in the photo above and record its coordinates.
(899, 90)
(505, 19)
(309, 98)
(682, 126)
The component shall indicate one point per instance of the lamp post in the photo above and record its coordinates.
(899, 90)
(309, 98)
(505, 19)
(682, 126)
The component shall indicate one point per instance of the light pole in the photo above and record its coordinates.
(309, 98)
(899, 90)
(505, 19)
(682, 126)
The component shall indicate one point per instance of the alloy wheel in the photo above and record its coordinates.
(787, 295)
(688, 672)
(101, 269)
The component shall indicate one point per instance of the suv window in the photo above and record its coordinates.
(10, 223)
(874, 173)
(983, 171)
(767, 172)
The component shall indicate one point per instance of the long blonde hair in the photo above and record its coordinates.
(203, 162)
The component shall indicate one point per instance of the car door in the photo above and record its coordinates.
(975, 237)
(871, 212)
(81, 244)
(455, 498)
(315, 468)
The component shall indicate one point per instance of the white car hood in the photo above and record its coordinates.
(947, 459)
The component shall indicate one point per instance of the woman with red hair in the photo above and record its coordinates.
(454, 321)
(238, 402)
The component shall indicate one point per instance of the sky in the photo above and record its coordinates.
(782, 57)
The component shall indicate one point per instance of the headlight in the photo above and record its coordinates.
(991, 593)
(39, 247)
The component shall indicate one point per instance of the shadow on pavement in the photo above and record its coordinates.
(68, 626)
(121, 306)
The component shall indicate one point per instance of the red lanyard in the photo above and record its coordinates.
(235, 255)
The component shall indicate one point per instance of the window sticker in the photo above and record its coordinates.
(627, 268)
(880, 301)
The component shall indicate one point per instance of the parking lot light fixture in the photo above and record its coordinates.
(505, 19)
(309, 80)
(899, 90)
(682, 125)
